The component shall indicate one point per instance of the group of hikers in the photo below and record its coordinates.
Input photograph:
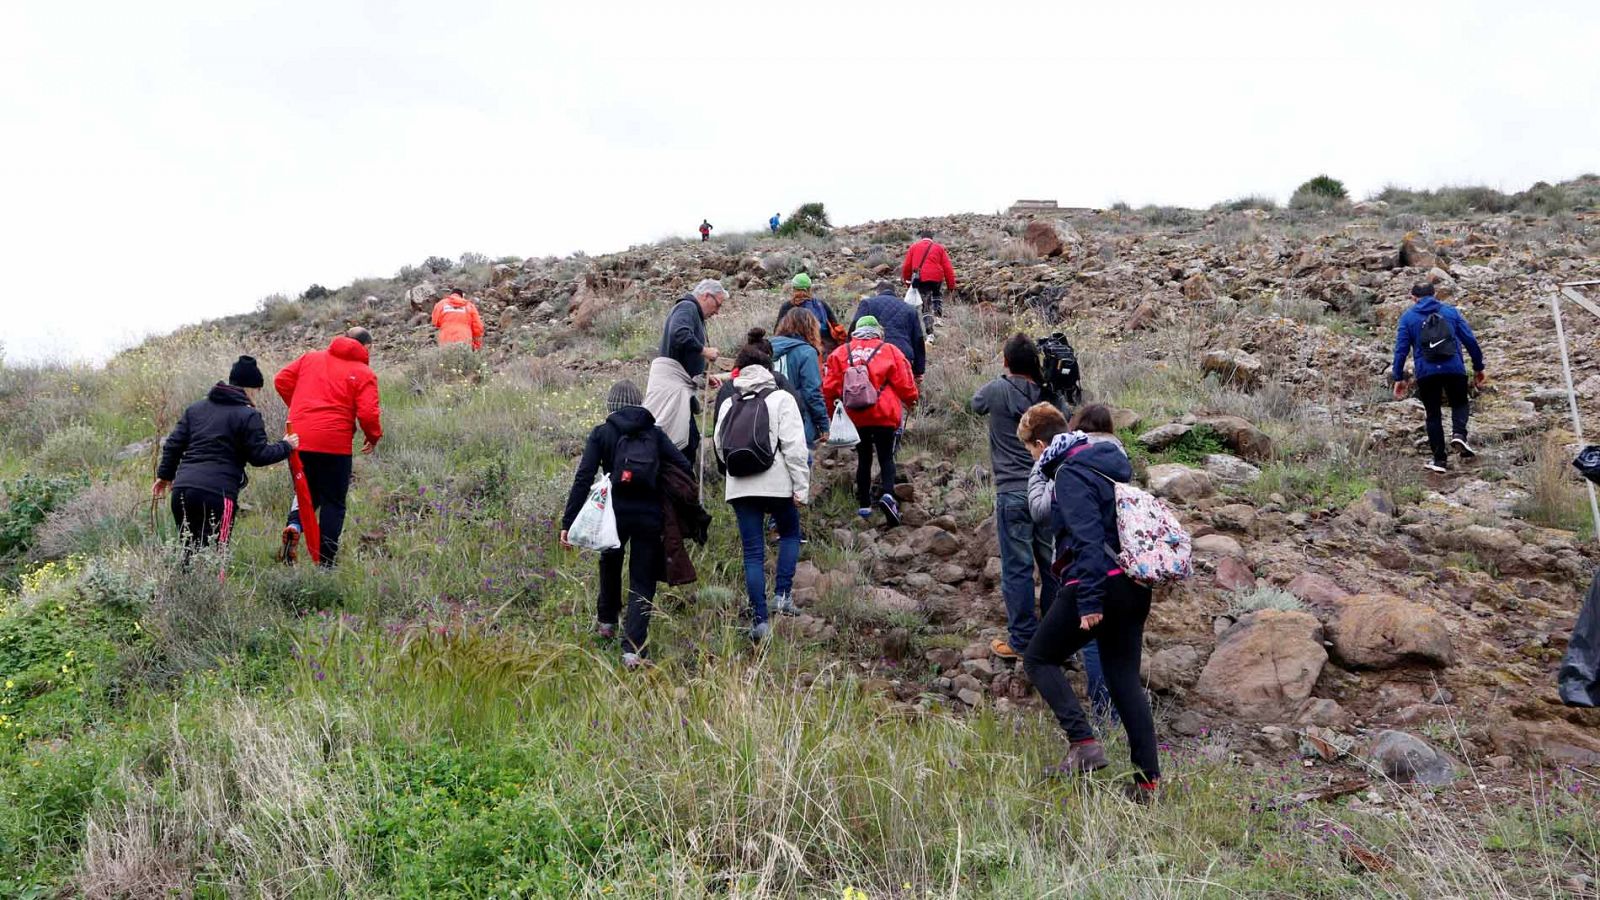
(1057, 471)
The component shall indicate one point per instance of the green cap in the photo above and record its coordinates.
(867, 322)
(802, 282)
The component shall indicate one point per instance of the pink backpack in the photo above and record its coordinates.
(1155, 547)
(859, 391)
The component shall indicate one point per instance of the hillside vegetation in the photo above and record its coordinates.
(434, 718)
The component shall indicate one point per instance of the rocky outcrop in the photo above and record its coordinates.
(1265, 666)
(1378, 632)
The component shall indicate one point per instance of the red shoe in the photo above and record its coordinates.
(290, 550)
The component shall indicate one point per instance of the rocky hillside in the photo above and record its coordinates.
(1345, 590)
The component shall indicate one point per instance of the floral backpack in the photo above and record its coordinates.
(1155, 547)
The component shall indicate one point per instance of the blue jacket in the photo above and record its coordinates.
(1408, 339)
(797, 360)
(902, 327)
(812, 305)
(1085, 517)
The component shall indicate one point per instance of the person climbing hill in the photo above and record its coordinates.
(203, 459)
(329, 392)
(773, 223)
(1435, 334)
(927, 268)
(705, 230)
(874, 382)
(900, 323)
(802, 296)
(676, 373)
(627, 439)
(797, 357)
(458, 321)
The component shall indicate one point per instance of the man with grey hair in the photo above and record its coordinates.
(670, 394)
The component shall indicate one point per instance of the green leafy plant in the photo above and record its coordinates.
(808, 218)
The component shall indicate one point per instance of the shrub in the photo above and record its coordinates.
(1320, 192)
(808, 218)
(449, 364)
(315, 292)
(438, 265)
(1251, 201)
(74, 449)
(1242, 602)
(102, 516)
(28, 500)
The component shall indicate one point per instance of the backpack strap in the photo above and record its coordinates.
(916, 271)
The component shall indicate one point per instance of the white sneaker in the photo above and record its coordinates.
(632, 661)
(1437, 465)
(1462, 447)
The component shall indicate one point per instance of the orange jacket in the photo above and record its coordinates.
(890, 373)
(328, 392)
(458, 321)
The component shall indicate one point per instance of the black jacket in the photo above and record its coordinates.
(214, 438)
(640, 511)
(902, 327)
(684, 336)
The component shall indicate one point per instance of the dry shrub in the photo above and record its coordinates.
(1557, 495)
(99, 517)
(75, 449)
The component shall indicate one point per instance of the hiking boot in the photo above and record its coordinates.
(864, 512)
(289, 551)
(605, 631)
(783, 604)
(1085, 757)
(632, 661)
(759, 632)
(891, 509)
(1140, 792)
(1441, 466)
(1459, 442)
(1003, 649)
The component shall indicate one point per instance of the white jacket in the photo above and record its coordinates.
(790, 474)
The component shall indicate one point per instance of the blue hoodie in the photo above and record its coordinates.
(797, 361)
(1085, 515)
(1408, 338)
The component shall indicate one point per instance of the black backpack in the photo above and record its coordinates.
(746, 445)
(636, 462)
(1438, 339)
(1062, 377)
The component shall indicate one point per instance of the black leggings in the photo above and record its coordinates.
(328, 478)
(203, 517)
(1433, 391)
(645, 556)
(1120, 636)
(878, 439)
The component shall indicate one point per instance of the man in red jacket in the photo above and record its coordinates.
(328, 392)
(889, 373)
(927, 268)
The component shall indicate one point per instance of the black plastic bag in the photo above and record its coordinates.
(1588, 463)
(1579, 679)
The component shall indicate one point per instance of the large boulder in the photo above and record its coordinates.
(1049, 237)
(1172, 668)
(1234, 367)
(1212, 546)
(1163, 436)
(1406, 758)
(1416, 254)
(422, 296)
(1265, 666)
(1240, 436)
(1381, 632)
(1176, 481)
(1230, 469)
(931, 539)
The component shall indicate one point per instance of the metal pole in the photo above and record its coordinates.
(1572, 402)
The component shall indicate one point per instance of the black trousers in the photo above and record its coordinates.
(645, 554)
(328, 477)
(201, 516)
(1433, 391)
(1120, 636)
(880, 440)
(932, 301)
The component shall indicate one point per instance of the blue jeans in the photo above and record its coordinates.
(1023, 546)
(752, 513)
(1095, 680)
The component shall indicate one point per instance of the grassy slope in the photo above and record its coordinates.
(433, 718)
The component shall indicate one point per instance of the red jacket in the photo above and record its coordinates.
(327, 392)
(935, 267)
(458, 321)
(890, 372)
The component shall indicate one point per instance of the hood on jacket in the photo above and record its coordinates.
(631, 419)
(229, 395)
(754, 378)
(1427, 306)
(1105, 457)
(349, 348)
(782, 345)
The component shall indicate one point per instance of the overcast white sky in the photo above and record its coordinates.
(164, 162)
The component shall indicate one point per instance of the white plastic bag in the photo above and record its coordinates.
(913, 297)
(595, 528)
(841, 431)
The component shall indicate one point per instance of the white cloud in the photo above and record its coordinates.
(167, 162)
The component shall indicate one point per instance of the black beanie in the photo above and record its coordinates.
(245, 373)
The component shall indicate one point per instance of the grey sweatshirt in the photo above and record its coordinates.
(1004, 400)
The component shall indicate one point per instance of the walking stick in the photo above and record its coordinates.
(703, 439)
